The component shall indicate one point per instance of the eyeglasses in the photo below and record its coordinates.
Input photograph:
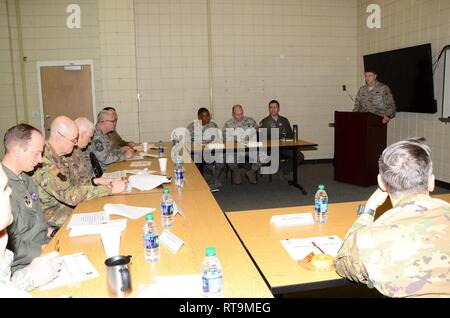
(74, 141)
(111, 121)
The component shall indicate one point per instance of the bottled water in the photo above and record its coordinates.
(178, 172)
(151, 242)
(166, 209)
(211, 271)
(321, 205)
(160, 149)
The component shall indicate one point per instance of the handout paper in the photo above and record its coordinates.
(171, 241)
(147, 182)
(299, 248)
(83, 219)
(111, 241)
(115, 175)
(75, 268)
(119, 225)
(136, 157)
(129, 211)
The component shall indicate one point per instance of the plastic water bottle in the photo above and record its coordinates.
(151, 242)
(178, 172)
(166, 209)
(321, 205)
(295, 131)
(160, 149)
(211, 272)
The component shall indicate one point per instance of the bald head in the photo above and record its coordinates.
(63, 135)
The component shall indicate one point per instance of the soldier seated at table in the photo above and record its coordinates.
(58, 187)
(276, 121)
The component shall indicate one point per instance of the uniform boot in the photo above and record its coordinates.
(236, 176)
(251, 175)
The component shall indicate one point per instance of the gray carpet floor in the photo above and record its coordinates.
(278, 193)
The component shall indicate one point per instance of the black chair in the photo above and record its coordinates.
(98, 171)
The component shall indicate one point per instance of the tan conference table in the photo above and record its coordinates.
(203, 224)
(292, 145)
(194, 180)
(262, 241)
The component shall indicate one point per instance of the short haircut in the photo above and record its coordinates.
(109, 108)
(236, 106)
(406, 167)
(201, 111)
(102, 114)
(274, 101)
(84, 125)
(20, 135)
(371, 70)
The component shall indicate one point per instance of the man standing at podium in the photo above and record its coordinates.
(375, 97)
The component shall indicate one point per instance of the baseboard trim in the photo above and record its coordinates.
(315, 161)
(443, 184)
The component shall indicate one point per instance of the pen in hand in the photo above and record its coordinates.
(57, 246)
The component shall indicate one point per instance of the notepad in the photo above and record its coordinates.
(141, 164)
(75, 268)
(299, 248)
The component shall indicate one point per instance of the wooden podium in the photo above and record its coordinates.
(359, 140)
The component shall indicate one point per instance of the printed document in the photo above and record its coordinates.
(299, 248)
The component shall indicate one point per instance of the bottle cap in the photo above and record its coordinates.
(149, 216)
(210, 251)
(321, 186)
(165, 190)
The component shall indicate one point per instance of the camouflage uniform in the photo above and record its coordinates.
(59, 189)
(116, 140)
(102, 147)
(209, 125)
(245, 124)
(80, 168)
(28, 232)
(21, 279)
(405, 252)
(378, 101)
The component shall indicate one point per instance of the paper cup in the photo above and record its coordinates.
(145, 146)
(163, 165)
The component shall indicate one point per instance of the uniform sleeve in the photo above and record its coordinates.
(358, 104)
(106, 155)
(389, 102)
(24, 250)
(59, 186)
(348, 260)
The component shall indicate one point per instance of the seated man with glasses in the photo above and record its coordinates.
(116, 139)
(58, 187)
(102, 146)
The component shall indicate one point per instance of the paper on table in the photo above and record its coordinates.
(115, 175)
(216, 146)
(299, 248)
(176, 286)
(139, 147)
(254, 144)
(171, 241)
(136, 157)
(129, 211)
(83, 219)
(140, 172)
(111, 241)
(120, 225)
(141, 164)
(143, 154)
(292, 219)
(75, 268)
(147, 182)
